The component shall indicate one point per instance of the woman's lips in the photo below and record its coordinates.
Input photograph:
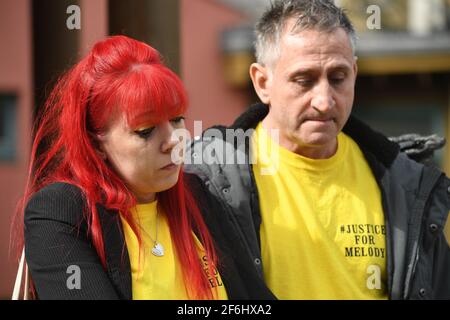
(170, 166)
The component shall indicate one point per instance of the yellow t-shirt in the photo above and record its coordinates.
(322, 231)
(160, 278)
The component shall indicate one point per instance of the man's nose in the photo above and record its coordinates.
(169, 140)
(323, 100)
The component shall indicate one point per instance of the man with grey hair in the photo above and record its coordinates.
(345, 214)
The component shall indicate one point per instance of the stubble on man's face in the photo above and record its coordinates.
(311, 91)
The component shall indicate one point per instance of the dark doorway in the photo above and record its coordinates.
(155, 22)
(55, 47)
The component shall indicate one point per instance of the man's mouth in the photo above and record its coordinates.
(320, 119)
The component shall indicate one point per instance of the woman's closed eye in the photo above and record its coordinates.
(144, 133)
(177, 120)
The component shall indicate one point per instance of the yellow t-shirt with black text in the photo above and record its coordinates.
(323, 230)
(160, 278)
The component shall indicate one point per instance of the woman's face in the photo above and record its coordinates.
(143, 156)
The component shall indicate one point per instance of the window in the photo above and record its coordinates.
(8, 109)
(398, 119)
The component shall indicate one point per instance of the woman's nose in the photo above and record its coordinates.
(170, 140)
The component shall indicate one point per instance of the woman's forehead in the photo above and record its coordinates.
(151, 117)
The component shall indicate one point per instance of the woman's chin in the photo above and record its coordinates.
(168, 182)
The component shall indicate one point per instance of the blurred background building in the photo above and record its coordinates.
(403, 84)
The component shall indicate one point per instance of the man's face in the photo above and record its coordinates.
(310, 90)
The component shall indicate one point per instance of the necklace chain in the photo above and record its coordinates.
(158, 249)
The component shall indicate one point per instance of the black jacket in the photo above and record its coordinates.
(56, 238)
(415, 199)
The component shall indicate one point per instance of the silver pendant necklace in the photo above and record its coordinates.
(158, 249)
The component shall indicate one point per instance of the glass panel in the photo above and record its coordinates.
(8, 109)
(398, 120)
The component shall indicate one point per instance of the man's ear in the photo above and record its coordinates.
(355, 66)
(260, 78)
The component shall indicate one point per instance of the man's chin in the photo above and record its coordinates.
(318, 139)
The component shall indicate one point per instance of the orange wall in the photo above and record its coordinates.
(15, 76)
(211, 99)
(94, 23)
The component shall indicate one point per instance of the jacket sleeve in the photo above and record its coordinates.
(441, 240)
(441, 270)
(62, 260)
(236, 268)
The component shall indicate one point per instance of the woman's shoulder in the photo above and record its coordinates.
(58, 191)
(59, 200)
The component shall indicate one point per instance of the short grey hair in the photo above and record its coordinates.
(322, 15)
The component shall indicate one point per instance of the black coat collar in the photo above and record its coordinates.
(117, 259)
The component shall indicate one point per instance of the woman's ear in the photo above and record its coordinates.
(97, 143)
(260, 78)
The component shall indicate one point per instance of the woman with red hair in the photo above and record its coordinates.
(107, 213)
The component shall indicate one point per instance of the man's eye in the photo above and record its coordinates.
(177, 120)
(145, 133)
(304, 82)
(337, 80)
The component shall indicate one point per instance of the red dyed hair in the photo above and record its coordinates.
(119, 76)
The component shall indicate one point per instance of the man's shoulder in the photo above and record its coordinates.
(418, 147)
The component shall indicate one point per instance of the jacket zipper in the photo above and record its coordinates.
(416, 251)
(238, 229)
(388, 242)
